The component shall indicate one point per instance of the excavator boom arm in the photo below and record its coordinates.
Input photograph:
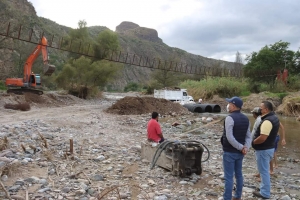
(48, 69)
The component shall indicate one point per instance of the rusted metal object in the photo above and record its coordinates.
(181, 158)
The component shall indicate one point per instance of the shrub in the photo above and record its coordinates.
(2, 86)
(222, 86)
(132, 87)
(294, 82)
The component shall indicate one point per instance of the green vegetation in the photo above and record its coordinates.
(82, 76)
(2, 85)
(224, 87)
(278, 95)
(294, 100)
(271, 59)
(132, 87)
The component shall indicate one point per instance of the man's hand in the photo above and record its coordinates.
(244, 150)
(283, 142)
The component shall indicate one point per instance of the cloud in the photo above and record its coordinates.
(220, 29)
(215, 29)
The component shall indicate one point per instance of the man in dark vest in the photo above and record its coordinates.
(236, 141)
(264, 144)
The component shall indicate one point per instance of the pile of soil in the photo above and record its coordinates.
(52, 99)
(290, 106)
(145, 105)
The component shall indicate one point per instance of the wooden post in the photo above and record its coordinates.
(71, 146)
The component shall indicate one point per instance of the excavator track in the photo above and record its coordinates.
(21, 91)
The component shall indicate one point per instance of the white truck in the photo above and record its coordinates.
(173, 95)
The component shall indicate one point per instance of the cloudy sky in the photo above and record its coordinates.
(211, 28)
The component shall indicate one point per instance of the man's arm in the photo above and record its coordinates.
(229, 123)
(283, 134)
(158, 131)
(248, 138)
(265, 130)
(255, 126)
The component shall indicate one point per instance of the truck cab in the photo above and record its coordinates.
(185, 96)
(173, 95)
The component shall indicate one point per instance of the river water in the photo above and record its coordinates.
(291, 151)
(292, 137)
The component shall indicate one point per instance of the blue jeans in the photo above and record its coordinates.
(232, 165)
(263, 158)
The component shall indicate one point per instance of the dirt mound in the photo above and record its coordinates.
(34, 98)
(217, 100)
(290, 105)
(19, 106)
(51, 99)
(144, 105)
(254, 100)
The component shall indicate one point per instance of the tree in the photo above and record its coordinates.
(78, 40)
(106, 43)
(268, 61)
(238, 64)
(82, 76)
(164, 77)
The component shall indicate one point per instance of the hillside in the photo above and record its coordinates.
(133, 39)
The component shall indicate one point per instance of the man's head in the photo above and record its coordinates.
(266, 107)
(235, 103)
(154, 115)
(256, 112)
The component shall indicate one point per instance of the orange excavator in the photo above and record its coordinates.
(30, 81)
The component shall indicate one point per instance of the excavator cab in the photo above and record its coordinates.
(38, 80)
(34, 81)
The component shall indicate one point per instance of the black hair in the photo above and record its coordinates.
(258, 112)
(268, 105)
(154, 115)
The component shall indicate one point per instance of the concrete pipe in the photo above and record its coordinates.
(216, 108)
(193, 108)
(206, 107)
(200, 108)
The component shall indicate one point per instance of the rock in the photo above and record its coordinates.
(99, 158)
(209, 119)
(151, 182)
(162, 197)
(51, 171)
(66, 190)
(4, 178)
(43, 182)
(32, 179)
(2, 163)
(84, 186)
(183, 182)
(286, 197)
(14, 188)
(97, 177)
(144, 186)
(19, 182)
(48, 136)
(80, 192)
(17, 197)
(44, 190)
(91, 191)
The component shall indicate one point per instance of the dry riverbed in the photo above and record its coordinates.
(106, 161)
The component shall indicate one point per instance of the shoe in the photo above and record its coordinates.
(257, 194)
(233, 198)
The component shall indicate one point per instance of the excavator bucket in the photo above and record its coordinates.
(49, 69)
